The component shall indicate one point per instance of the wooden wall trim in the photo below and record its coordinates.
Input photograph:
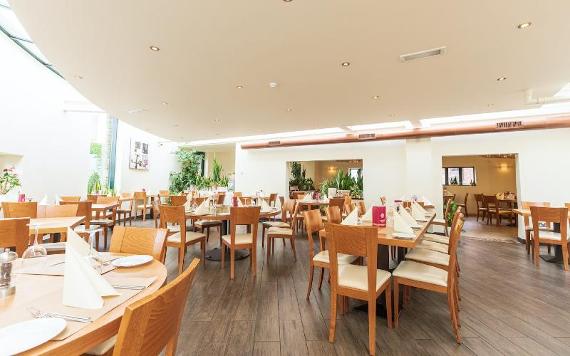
(492, 127)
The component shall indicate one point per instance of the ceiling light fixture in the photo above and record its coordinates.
(273, 84)
(345, 64)
(376, 97)
(289, 109)
(500, 79)
(239, 86)
(135, 111)
(165, 103)
(287, 0)
(524, 25)
(406, 124)
(154, 48)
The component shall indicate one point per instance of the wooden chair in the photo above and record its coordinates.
(443, 221)
(85, 230)
(126, 208)
(283, 233)
(237, 194)
(464, 204)
(543, 214)
(333, 214)
(20, 210)
(361, 206)
(358, 282)
(15, 233)
(481, 210)
(420, 275)
(57, 211)
(140, 202)
(287, 211)
(155, 207)
(163, 196)
(491, 204)
(245, 201)
(314, 224)
(178, 237)
(153, 323)
(139, 241)
(272, 201)
(528, 229)
(93, 197)
(108, 219)
(220, 198)
(70, 198)
(176, 200)
(233, 241)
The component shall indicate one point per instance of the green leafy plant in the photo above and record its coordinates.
(8, 180)
(94, 183)
(189, 175)
(96, 149)
(343, 181)
(299, 178)
(217, 177)
(452, 209)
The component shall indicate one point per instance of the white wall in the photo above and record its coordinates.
(394, 168)
(162, 160)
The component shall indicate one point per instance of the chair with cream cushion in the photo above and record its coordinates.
(441, 221)
(283, 233)
(287, 209)
(314, 223)
(433, 246)
(139, 241)
(178, 237)
(359, 282)
(140, 202)
(548, 215)
(436, 238)
(412, 274)
(242, 216)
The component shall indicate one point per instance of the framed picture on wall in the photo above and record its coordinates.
(138, 158)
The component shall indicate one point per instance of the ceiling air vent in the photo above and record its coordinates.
(423, 54)
(274, 143)
(366, 136)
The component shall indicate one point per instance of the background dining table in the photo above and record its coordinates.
(557, 258)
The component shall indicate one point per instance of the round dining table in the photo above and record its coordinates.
(222, 213)
(31, 288)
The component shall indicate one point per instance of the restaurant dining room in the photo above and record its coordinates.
(284, 177)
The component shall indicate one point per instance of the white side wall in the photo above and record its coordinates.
(394, 168)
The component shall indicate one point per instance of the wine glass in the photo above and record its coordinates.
(35, 250)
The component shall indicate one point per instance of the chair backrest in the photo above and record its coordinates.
(336, 202)
(83, 209)
(92, 198)
(465, 200)
(237, 194)
(550, 215)
(244, 215)
(245, 200)
(177, 200)
(153, 323)
(163, 193)
(356, 241)
(272, 199)
(15, 233)
(287, 210)
(490, 201)
(107, 200)
(139, 240)
(174, 214)
(69, 198)
(454, 236)
(199, 200)
(527, 205)
(281, 200)
(333, 215)
(298, 195)
(57, 211)
(20, 210)
(220, 198)
(127, 203)
(313, 223)
(140, 197)
(361, 207)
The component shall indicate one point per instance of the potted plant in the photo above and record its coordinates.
(8, 180)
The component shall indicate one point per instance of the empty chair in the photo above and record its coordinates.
(109, 217)
(220, 198)
(272, 199)
(85, 230)
(481, 210)
(334, 215)
(464, 204)
(57, 211)
(358, 282)
(178, 237)
(443, 221)
(20, 210)
(139, 241)
(424, 276)
(15, 233)
(140, 203)
(491, 204)
(69, 198)
(283, 233)
(234, 241)
(177, 200)
(528, 224)
(542, 214)
(287, 211)
(125, 208)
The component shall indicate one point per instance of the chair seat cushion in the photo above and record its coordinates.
(428, 256)
(343, 259)
(438, 221)
(240, 239)
(190, 236)
(353, 276)
(276, 224)
(437, 238)
(103, 347)
(208, 223)
(280, 231)
(422, 273)
(433, 246)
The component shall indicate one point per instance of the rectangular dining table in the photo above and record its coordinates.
(54, 225)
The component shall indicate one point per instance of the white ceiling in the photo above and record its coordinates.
(209, 47)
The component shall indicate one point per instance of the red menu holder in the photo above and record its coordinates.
(379, 215)
(235, 201)
(21, 198)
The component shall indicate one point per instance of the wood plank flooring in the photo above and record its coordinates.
(509, 307)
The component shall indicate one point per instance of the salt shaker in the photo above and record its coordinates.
(6, 286)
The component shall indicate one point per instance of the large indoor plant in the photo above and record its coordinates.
(190, 171)
(299, 179)
(343, 181)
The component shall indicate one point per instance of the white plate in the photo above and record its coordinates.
(26, 335)
(402, 235)
(132, 261)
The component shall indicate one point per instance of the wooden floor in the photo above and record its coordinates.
(508, 307)
(491, 232)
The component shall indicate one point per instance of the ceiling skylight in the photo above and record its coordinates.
(383, 125)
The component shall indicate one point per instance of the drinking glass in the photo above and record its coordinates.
(35, 250)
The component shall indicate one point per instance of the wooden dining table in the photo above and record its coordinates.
(313, 203)
(54, 225)
(101, 209)
(31, 289)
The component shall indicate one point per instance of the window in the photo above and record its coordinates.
(458, 176)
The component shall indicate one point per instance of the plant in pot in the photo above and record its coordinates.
(8, 180)
(299, 180)
(94, 183)
(344, 182)
(189, 174)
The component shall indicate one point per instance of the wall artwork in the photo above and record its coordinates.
(138, 158)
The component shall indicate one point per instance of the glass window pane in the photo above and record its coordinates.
(468, 176)
(453, 175)
(11, 24)
(443, 182)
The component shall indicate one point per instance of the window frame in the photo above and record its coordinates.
(460, 183)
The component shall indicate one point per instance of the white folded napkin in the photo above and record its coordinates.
(417, 212)
(427, 201)
(351, 219)
(332, 192)
(57, 200)
(239, 202)
(308, 197)
(203, 208)
(401, 226)
(421, 209)
(83, 287)
(408, 218)
(44, 201)
(264, 206)
(367, 217)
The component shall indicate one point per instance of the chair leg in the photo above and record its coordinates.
(321, 279)
(293, 247)
(253, 260)
(180, 260)
(262, 236)
(396, 302)
(223, 250)
(105, 236)
(207, 233)
(548, 249)
(311, 273)
(269, 244)
(565, 256)
(203, 248)
(527, 242)
(333, 316)
(388, 297)
(372, 326)
(232, 263)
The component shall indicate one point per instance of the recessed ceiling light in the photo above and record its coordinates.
(287, 0)
(165, 103)
(217, 121)
(135, 111)
(376, 97)
(500, 79)
(524, 25)
(239, 86)
(289, 109)
(154, 48)
(78, 76)
(273, 84)
(345, 64)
